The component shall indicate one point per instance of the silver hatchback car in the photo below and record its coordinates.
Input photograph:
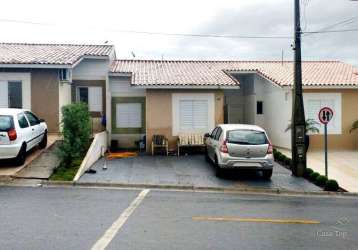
(238, 146)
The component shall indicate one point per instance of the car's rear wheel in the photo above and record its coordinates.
(21, 157)
(43, 142)
(267, 174)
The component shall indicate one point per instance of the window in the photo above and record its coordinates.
(193, 112)
(32, 118)
(64, 74)
(259, 108)
(6, 123)
(129, 115)
(92, 96)
(218, 134)
(315, 101)
(83, 95)
(214, 132)
(11, 94)
(22, 121)
(15, 94)
(247, 137)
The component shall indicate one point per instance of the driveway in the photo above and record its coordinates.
(189, 171)
(8, 170)
(342, 166)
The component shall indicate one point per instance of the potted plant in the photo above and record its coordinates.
(311, 128)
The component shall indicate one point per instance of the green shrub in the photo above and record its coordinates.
(288, 161)
(314, 176)
(76, 133)
(331, 185)
(308, 172)
(276, 154)
(321, 181)
(282, 158)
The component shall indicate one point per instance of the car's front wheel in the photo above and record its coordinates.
(267, 174)
(43, 142)
(21, 157)
(218, 169)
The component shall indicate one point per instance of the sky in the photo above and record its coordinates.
(97, 22)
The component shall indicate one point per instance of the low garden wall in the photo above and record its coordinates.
(97, 148)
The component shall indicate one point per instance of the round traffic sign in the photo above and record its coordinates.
(325, 115)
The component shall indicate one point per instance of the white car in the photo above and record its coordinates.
(20, 131)
(240, 146)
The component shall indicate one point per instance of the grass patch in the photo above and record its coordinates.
(66, 173)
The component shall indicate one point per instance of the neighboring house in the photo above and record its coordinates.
(45, 77)
(170, 97)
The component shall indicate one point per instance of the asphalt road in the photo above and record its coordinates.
(82, 218)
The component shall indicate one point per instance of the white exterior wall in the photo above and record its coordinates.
(64, 98)
(276, 111)
(91, 69)
(25, 78)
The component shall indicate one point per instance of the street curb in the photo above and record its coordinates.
(195, 188)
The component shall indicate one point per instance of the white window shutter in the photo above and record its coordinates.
(200, 114)
(193, 115)
(186, 114)
(129, 115)
(4, 94)
(95, 99)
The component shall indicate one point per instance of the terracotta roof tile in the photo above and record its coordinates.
(198, 73)
(66, 54)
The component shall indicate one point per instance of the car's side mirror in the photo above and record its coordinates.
(42, 120)
(206, 135)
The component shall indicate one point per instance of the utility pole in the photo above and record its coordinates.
(298, 114)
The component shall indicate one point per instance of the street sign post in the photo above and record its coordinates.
(325, 115)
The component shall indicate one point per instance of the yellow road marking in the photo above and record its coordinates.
(258, 220)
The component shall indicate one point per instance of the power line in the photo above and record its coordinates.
(162, 33)
(330, 31)
(344, 22)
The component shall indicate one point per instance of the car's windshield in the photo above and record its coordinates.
(247, 137)
(6, 123)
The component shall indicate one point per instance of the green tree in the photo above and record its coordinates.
(76, 132)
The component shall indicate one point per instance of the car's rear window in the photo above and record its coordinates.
(6, 123)
(247, 137)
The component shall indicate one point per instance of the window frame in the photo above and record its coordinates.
(78, 99)
(177, 97)
(259, 104)
(32, 114)
(18, 120)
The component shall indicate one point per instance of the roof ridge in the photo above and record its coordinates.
(223, 61)
(55, 44)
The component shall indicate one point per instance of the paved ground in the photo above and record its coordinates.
(42, 167)
(74, 218)
(7, 169)
(342, 166)
(188, 171)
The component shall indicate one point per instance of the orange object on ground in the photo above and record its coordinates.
(118, 155)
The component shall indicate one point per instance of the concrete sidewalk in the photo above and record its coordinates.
(189, 171)
(342, 166)
(8, 170)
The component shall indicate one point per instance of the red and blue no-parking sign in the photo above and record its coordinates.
(325, 115)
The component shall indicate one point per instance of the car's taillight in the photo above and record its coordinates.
(223, 147)
(12, 134)
(270, 148)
